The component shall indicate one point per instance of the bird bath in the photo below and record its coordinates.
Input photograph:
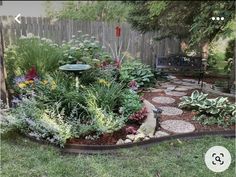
(76, 69)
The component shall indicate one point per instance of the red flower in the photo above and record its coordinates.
(31, 74)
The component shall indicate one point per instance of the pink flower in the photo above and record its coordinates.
(133, 85)
(131, 130)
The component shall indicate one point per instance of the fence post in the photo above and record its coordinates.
(3, 91)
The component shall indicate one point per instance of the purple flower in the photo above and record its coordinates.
(19, 79)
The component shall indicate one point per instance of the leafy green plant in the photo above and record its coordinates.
(210, 111)
(30, 51)
(135, 70)
(85, 49)
(29, 119)
(194, 101)
(107, 94)
(130, 102)
(105, 122)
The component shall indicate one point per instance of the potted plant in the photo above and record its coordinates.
(220, 86)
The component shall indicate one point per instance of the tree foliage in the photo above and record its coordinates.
(93, 11)
(182, 18)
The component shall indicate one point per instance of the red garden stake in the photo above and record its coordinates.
(118, 31)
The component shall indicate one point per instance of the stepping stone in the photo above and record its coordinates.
(190, 80)
(189, 84)
(161, 134)
(175, 93)
(177, 126)
(167, 85)
(163, 100)
(171, 77)
(157, 90)
(170, 111)
(177, 82)
(181, 89)
(171, 88)
(188, 87)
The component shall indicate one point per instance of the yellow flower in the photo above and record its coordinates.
(103, 82)
(22, 85)
(45, 82)
(54, 85)
(29, 82)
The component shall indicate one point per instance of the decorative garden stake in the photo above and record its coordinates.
(157, 115)
(118, 31)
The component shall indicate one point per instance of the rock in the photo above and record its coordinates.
(150, 135)
(131, 137)
(120, 141)
(148, 126)
(161, 134)
(139, 137)
(127, 141)
(146, 138)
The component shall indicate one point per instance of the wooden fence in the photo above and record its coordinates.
(141, 45)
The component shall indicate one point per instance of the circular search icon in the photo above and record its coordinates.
(217, 159)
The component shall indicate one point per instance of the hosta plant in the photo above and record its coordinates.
(136, 71)
(210, 111)
(194, 101)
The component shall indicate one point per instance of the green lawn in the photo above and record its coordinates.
(23, 158)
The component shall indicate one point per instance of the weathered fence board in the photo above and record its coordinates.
(140, 45)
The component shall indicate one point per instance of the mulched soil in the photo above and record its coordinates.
(105, 139)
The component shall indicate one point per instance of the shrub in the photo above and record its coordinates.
(135, 70)
(84, 49)
(210, 111)
(30, 51)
